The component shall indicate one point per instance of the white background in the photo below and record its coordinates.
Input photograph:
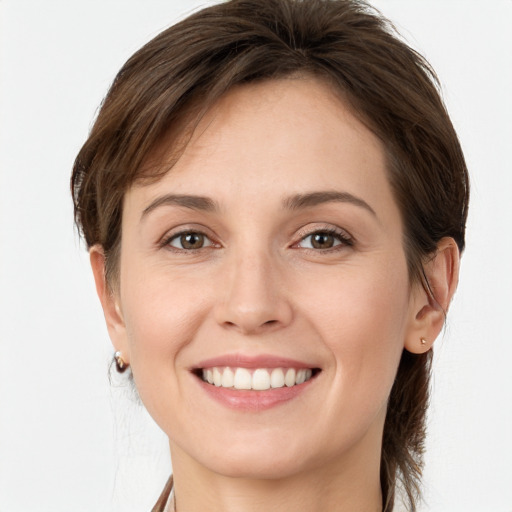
(69, 440)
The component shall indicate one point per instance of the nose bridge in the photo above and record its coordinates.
(254, 299)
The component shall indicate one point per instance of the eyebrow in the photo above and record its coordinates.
(302, 201)
(187, 201)
(295, 202)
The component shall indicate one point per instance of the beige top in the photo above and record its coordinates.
(165, 502)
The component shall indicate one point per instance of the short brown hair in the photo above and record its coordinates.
(178, 75)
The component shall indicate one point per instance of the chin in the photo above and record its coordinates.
(251, 457)
(258, 467)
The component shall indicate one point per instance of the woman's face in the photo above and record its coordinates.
(274, 245)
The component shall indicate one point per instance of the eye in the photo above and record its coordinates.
(189, 240)
(324, 239)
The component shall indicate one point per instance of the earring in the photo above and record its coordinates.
(423, 341)
(121, 365)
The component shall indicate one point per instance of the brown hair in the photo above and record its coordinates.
(169, 83)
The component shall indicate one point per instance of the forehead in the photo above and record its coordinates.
(261, 139)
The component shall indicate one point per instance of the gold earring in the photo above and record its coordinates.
(121, 365)
(423, 341)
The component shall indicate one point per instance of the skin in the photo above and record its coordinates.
(259, 287)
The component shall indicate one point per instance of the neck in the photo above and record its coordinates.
(352, 484)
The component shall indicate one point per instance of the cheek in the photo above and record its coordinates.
(361, 315)
(358, 297)
(161, 316)
(157, 300)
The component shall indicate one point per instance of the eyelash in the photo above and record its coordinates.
(341, 236)
(166, 242)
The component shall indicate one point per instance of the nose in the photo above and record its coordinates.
(253, 299)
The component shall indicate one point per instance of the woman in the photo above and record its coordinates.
(274, 200)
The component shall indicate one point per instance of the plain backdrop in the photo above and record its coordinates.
(69, 440)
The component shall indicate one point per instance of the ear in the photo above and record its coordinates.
(110, 302)
(430, 300)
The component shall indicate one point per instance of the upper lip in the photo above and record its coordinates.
(247, 361)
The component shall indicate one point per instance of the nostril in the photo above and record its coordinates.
(251, 326)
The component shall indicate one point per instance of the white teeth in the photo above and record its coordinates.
(243, 379)
(289, 378)
(277, 378)
(217, 377)
(260, 379)
(228, 378)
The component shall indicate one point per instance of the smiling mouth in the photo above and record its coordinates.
(258, 379)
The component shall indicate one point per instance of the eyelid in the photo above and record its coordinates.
(178, 236)
(342, 235)
(174, 233)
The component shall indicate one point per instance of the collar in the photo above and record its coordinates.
(166, 501)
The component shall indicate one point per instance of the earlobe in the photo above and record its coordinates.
(430, 300)
(109, 302)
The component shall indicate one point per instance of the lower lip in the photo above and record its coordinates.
(251, 400)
